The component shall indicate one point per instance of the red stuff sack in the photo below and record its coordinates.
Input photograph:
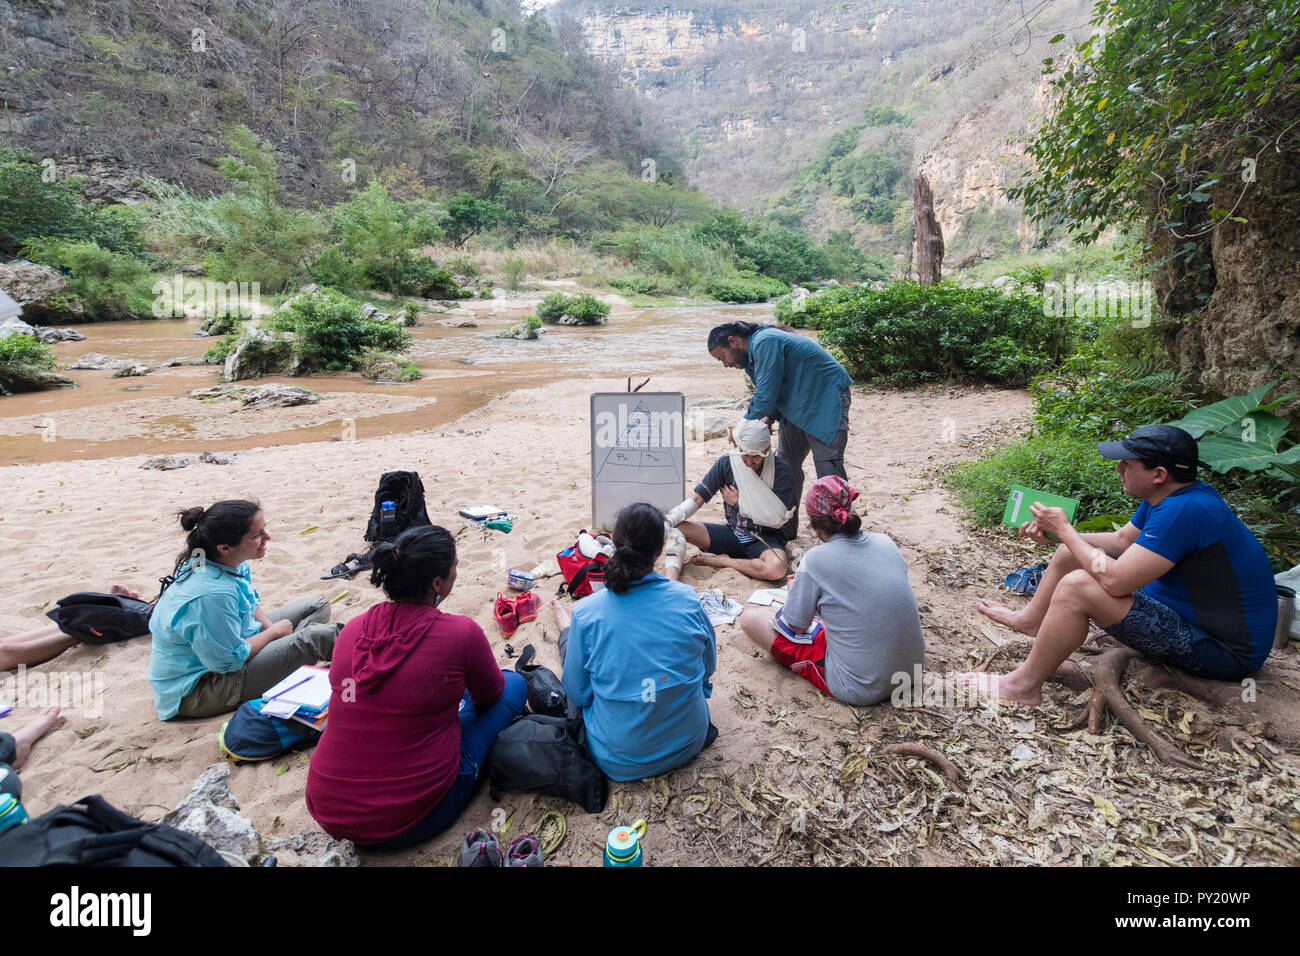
(582, 575)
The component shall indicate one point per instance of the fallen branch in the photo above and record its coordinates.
(1107, 693)
(921, 752)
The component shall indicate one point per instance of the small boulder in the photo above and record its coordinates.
(193, 271)
(260, 352)
(130, 370)
(216, 458)
(30, 378)
(458, 324)
(50, 336)
(274, 395)
(371, 312)
(94, 360)
(167, 462)
(703, 426)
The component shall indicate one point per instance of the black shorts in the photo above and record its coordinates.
(722, 540)
(8, 748)
(1160, 633)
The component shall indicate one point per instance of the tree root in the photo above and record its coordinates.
(1107, 693)
(921, 752)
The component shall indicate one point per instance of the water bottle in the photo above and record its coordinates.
(12, 812)
(623, 845)
(387, 517)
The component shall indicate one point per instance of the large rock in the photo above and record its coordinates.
(29, 378)
(120, 367)
(211, 813)
(271, 395)
(50, 336)
(43, 292)
(261, 352)
(16, 326)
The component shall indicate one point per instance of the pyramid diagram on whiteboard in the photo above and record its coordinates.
(633, 459)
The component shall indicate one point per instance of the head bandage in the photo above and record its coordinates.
(753, 437)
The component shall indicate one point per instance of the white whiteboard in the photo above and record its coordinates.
(638, 452)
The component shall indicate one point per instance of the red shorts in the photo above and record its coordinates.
(787, 653)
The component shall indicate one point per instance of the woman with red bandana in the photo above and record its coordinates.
(856, 584)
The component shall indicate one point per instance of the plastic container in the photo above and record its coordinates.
(623, 845)
(520, 580)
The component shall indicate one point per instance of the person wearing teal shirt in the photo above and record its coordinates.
(213, 645)
(797, 383)
(638, 657)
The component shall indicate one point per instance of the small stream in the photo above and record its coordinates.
(463, 370)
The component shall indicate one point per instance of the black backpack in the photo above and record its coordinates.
(545, 692)
(101, 618)
(92, 832)
(405, 489)
(547, 754)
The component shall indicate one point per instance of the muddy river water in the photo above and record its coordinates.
(463, 369)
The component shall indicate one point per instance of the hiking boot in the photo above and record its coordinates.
(507, 617)
(527, 605)
(525, 851)
(480, 848)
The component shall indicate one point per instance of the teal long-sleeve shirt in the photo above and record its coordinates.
(639, 665)
(201, 625)
(796, 380)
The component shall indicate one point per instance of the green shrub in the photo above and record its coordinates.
(25, 350)
(109, 285)
(331, 334)
(514, 270)
(31, 208)
(746, 287)
(808, 312)
(410, 314)
(416, 275)
(220, 349)
(584, 309)
(635, 283)
(551, 308)
(907, 332)
(1062, 465)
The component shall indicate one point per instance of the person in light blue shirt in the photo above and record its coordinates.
(797, 383)
(214, 647)
(638, 657)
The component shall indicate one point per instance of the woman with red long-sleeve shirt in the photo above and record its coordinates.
(417, 701)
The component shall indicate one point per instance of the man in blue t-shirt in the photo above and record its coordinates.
(1184, 582)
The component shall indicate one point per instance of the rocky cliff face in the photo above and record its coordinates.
(755, 89)
(1249, 331)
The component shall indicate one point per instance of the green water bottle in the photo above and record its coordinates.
(11, 811)
(623, 845)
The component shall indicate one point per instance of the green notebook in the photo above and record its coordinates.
(1021, 498)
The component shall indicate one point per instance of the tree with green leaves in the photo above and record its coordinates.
(1162, 117)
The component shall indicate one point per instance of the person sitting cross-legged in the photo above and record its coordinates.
(1184, 583)
(758, 497)
(857, 584)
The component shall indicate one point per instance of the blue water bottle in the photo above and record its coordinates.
(11, 812)
(387, 517)
(623, 845)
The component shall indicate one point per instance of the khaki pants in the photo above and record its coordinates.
(312, 640)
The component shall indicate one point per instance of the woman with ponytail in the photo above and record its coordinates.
(856, 584)
(638, 657)
(214, 646)
(418, 700)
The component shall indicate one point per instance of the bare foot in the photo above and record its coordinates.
(707, 560)
(560, 613)
(1003, 687)
(124, 591)
(33, 731)
(1005, 615)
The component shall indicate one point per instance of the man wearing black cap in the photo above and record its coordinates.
(1184, 582)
